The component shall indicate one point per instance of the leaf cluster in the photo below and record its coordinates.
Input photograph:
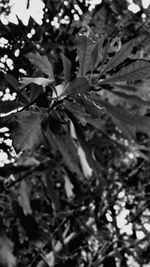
(79, 125)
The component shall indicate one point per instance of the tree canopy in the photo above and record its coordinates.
(75, 133)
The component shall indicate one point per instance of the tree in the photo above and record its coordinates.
(79, 125)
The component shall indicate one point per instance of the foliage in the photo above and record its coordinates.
(80, 127)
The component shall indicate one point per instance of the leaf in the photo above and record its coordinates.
(99, 19)
(68, 188)
(132, 98)
(144, 125)
(123, 117)
(128, 130)
(120, 56)
(84, 163)
(8, 106)
(67, 68)
(135, 71)
(92, 167)
(125, 87)
(12, 81)
(48, 258)
(79, 112)
(42, 63)
(95, 52)
(118, 112)
(6, 256)
(78, 86)
(68, 151)
(38, 80)
(105, 53)
(24, 198)
(27, 161)
(85, 46)
(34, 91)
(26, 130)
(90, 107)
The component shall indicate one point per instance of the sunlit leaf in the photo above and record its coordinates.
(38, 80)
(42, 63)
(84, 163)
(68, 188)
(24, 197)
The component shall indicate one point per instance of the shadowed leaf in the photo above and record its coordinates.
(26, 130)
(12, 81)
(120, 56)
(67, 68)
(122, 116)
(8, 106)
(85, 47)
(78, 86)
(133, 99)
(52, 193)
(42, 63)
(135, 71)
